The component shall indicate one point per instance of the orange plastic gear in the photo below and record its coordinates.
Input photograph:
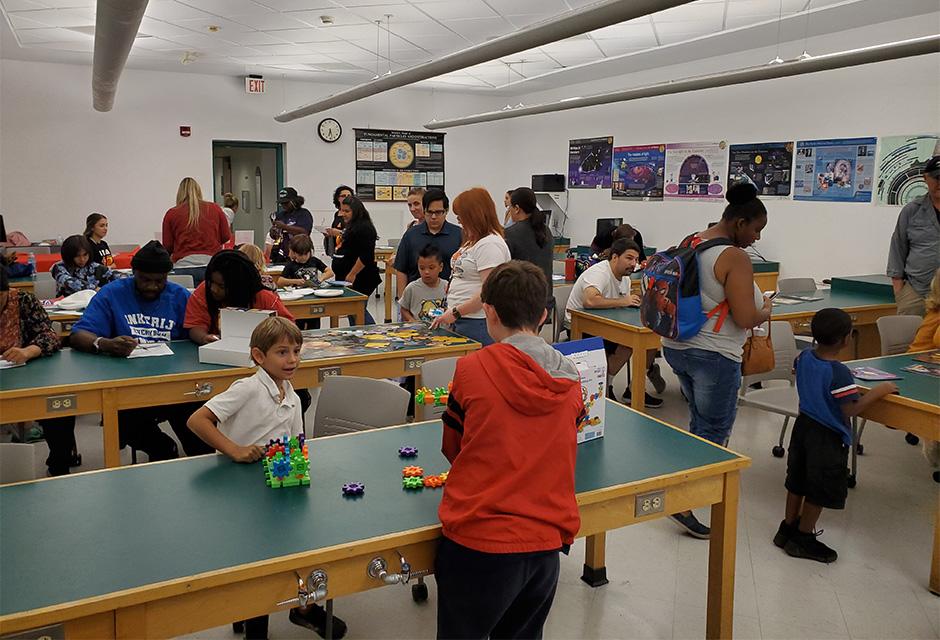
(412, 472)
(433, 482)
(443, 476)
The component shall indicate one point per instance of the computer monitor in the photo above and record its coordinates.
(606, 226)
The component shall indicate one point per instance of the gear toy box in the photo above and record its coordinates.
(588, 355)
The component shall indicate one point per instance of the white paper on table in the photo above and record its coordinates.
(149, 349)
(6, 364)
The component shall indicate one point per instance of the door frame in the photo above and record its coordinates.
(278, 148)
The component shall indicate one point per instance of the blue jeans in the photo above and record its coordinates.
(710, 383)
(473, 328)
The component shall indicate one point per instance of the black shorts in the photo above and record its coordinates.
(817, 464)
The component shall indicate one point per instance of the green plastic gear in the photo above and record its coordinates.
(412, 483)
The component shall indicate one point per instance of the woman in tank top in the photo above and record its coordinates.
(708, 365)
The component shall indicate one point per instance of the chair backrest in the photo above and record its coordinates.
(437, 373)
(338, 411)
(180, 279)
(561, 298)
(897, 333)
(44, 288)
(785, 352)
(558, 267)
(795, 285)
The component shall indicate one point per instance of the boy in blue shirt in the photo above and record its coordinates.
(144, 308)
(817, 474)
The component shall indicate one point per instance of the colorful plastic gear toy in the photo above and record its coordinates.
(433, 482)
(412, 482)
(443, 476)
(407, 452)
(412, 472)
(354, 489)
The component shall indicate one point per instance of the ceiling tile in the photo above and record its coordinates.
(640, 33)
(19, 20)
(20, 5)
(201, 41)
(157, 44)
(227, 27)
(579, 46)
(693, 11)
(620, 47)
(297, 5)
(698, 28)
(457, 9)
(53, 18)
(364, 31)
(341, 17)
(400, 14)
(519, 7)
(153, 27)
(740, 8)
(252, 38)
(228, 7)
(170, 10)
(415, 31)
(35, 36)
(310, 34)
(270, 21)
(480, 29)
(372, 3)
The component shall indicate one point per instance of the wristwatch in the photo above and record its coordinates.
(96, 344)
(457, 314)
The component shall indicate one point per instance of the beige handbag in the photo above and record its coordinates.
(758, 354)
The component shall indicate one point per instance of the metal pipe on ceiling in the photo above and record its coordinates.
(573, 23)
(866, 55)
(116, 25)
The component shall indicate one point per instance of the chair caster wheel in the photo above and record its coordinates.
(778, 451)
(852, 482)
(859, 449)
(419, 592)
(911, 439)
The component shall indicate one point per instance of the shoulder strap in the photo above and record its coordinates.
(714, 242)
(721, 310)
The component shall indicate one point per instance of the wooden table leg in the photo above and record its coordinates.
(361, 314)
(935, 561)
(109, 421)
(595, 567)
(334, 321)
(576, 332)
(721, 555)
(638, 379)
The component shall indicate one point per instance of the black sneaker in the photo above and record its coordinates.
(690, 524)
(805, 545)
(785, 532)
(652, 402)
(610, 392)
(655, 376)
(314, 618)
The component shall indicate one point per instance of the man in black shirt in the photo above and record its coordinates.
(435, 231)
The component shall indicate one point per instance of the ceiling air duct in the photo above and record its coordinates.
(572, 23)
(866, 55)
(116, 25)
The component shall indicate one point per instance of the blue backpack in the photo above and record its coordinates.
(672, 300)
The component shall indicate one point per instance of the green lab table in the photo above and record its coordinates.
(163, 549)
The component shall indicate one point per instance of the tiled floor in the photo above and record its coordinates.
(877, 588)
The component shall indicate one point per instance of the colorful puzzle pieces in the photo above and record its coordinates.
(438, 397)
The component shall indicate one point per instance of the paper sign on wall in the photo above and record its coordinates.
(588, 355)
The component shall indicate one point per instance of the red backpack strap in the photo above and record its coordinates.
(722, 311)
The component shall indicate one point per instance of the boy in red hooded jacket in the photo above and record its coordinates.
(510, 433)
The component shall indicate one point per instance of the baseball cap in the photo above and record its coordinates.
(285, 194)
(932, 168)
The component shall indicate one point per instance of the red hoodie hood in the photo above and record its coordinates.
(524, 383)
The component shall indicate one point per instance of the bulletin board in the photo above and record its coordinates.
(389, 163)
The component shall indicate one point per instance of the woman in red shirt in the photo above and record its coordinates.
(231, 281)
(194, 230)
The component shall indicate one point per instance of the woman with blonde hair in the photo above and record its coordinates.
(194, 230)
(483, 248)
(256, 255)
(928, 335)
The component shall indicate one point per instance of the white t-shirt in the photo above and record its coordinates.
(229, 215)
(601, 277)
(465, 267)
(251, 412)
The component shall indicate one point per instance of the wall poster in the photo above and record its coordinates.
(589, 163)
(837, 170)
(696, 171)
(766, 165)
(901, 166)
(637, 172)
(389, 163)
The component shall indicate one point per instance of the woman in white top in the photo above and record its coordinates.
(229, 207)
(708, 364)
(483, 248)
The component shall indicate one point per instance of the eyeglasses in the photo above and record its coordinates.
(436, 212)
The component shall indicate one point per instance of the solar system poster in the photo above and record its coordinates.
(589, 163)
(637, 172)
(837, 170)
(901, 167)
(766, 165)
(389, 163)
(696, 171)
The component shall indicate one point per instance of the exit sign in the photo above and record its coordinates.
(254, 84)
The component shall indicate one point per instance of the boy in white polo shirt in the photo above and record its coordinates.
(253, 411)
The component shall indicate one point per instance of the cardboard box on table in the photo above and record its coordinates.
(588, 355)
(233, 348)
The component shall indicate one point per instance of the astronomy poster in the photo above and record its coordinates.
(766, 165)
(589, 163)
(696, 171)
(837, 170)
(389, 163)
(637, 172)
(901, 166)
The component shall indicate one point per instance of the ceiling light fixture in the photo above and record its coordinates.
(866, 55)
(572, 23)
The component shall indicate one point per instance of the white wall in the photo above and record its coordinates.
(61, 160)
(808, 238)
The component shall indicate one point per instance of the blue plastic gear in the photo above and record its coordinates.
(407, 452)
(354, 489)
